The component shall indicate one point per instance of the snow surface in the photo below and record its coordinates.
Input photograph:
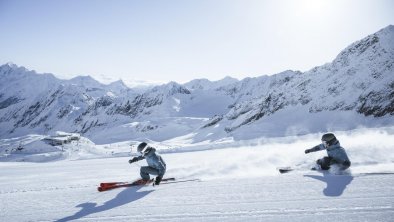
(236, 183)
(231, 135)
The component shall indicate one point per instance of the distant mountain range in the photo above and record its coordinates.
(354, 90)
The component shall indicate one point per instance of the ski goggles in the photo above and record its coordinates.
(143, 151)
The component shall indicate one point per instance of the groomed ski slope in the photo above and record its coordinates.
(236, 185)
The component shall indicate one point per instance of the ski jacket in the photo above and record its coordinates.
(334, 151)
(154, 160)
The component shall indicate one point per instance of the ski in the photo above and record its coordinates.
(137, 182)
(119, 185)
(331, 171)
(288, 169)
(285, 169)
(112, 185)
(108, 184)
(180, 181)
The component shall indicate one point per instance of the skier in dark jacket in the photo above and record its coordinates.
(336, 153)
(156, 164)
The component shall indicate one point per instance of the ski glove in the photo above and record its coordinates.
(135, 159)
(158, 180)
(313, 149)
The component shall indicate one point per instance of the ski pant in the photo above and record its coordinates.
(146, 170)
(326, 162)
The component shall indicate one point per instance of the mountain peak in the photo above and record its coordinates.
(171, 88)
(389, 28)
(378, 43)
(12, 66)
(85, 81)
(227, 80)
(118, 83)
(386, 33)
(207, 84)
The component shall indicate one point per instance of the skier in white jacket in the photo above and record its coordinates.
(156, 164)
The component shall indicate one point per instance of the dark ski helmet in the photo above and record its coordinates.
(142, 147)
(329, 138)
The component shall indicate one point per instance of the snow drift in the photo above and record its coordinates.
(369, 149)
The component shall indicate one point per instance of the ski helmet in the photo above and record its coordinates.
(142, 147)
(329, 138)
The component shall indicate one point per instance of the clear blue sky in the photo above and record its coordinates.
(181, 40)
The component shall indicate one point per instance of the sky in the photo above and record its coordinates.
(182, 40)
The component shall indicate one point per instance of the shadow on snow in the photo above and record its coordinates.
(336, 184)
(126, 196)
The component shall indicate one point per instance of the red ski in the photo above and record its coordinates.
(140, 182)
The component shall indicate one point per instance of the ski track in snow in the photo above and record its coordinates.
(66, 190)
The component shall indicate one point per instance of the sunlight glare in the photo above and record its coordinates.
(312, 6)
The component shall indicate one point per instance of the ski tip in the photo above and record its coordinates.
(105, 184)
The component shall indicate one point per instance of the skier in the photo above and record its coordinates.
(336, 153)
(156, 164)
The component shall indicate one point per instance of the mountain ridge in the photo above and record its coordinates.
(359, 83)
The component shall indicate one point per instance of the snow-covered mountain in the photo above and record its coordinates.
(356, 89)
